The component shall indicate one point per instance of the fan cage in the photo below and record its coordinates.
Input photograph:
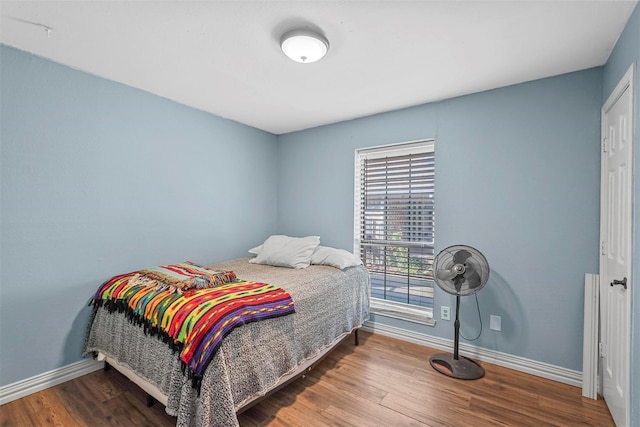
(445, 261)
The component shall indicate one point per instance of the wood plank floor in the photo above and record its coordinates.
(382, 382)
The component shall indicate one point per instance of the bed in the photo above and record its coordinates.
(253, 359)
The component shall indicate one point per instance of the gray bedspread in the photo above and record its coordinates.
(252, 358)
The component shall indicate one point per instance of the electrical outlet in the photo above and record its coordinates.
(445, 314)
(495, 323)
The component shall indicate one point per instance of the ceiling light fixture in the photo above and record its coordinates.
(304, 46)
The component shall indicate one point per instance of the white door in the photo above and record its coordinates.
(615, 259)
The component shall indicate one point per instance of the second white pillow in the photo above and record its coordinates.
(338, 258)
(285, 251)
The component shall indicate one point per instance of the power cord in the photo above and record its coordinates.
(479, 318)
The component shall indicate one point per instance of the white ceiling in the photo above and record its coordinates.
(224, 56)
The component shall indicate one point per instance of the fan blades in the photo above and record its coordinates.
(461, 256)
(446, 274)
(472, 277)
(455, 271)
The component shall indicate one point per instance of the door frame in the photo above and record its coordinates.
(625, 83)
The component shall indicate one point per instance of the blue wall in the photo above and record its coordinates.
(87, 164)
(625, 54)
(517, 176)
(99, 178)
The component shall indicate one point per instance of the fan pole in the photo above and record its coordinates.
(456, 326)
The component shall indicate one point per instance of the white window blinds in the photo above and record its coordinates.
(395, 222)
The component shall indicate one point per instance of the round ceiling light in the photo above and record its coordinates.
(304, 46)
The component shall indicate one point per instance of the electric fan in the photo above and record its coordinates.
(459, 270)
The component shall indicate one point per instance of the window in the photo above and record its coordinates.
(395, 225)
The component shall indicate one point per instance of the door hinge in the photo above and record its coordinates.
(601, 349)
(602, 252)
(604, 144)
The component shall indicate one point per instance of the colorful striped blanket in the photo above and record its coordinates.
(195, 321)
(180, 277)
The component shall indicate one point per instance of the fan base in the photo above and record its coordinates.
(461, 368)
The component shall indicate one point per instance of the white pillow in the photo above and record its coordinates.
(285, 251)
(255, 250)
(338, 258)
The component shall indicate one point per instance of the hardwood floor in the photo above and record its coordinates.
(381, 382)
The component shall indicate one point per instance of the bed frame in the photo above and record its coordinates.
(154, 394)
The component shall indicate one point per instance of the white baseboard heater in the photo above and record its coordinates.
(590, 353)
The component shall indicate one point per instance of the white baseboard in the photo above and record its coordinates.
(45, 380)
(540, 369)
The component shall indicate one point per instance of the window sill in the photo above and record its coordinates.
(406, 312)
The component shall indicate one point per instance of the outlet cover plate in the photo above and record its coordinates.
(445, 313)
(495, 323)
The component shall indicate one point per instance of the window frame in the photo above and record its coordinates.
(403, 311)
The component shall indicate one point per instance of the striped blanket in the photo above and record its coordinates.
(181, 277)
(195, 321)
